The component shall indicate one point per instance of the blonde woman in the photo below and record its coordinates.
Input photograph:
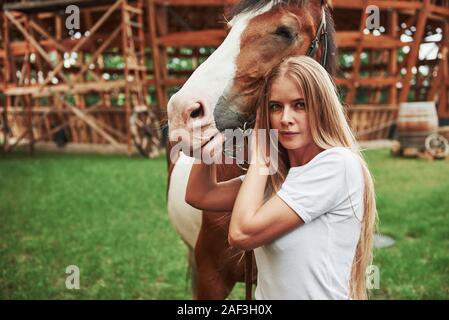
(311, 223)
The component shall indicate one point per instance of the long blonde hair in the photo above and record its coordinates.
(329, 128)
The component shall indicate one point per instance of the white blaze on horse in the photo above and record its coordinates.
(221, 94)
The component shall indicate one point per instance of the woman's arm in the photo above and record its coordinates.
(254, 223)
(205, 193)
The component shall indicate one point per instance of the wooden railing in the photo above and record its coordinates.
(371, 122)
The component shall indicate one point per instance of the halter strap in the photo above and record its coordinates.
(320, 35)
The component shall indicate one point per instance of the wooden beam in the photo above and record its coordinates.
(97, 25)
(33, 42)
(393, 59)
(42, 31)
(88, 111)
(152, 26)
(440, 10)
(90, 121)
(127, 52)
(207, 3)
(414, 50)
(443, 103)
(26, 76)
(99, 51)
(103, 86)
(351, 39)
(382, 4)
(378, 81)
(205, 38)
(6, 70)
(357, 58)
(49, 5)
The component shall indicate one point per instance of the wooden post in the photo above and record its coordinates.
(393, 61)
(414, 50)
(125, 39)
(443, 103)
(158, 73)
(27, 98)
(357, 59)
(6, 79)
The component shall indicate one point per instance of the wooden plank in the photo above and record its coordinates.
(97, 86)
(49, 5)
(350, 39)
(378, 81)
(205, 38)
(382, 4)
(18, 48)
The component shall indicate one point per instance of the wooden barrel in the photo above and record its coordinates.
(416, 121)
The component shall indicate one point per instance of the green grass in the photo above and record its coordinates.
(107, 215)
(413, 205)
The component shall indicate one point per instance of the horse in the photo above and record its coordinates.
(222, 94)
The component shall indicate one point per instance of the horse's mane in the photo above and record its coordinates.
(331, 59)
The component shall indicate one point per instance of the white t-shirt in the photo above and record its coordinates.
(314, 261)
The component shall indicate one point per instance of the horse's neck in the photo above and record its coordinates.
(224, 171)
(228, 171)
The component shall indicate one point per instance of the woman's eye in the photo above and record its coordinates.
(300, 105)
(274, 107)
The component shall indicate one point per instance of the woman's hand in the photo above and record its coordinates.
(259, 146)
(212, 152)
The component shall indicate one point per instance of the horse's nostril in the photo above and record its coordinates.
(198, 112)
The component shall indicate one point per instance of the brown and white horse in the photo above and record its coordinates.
(222, 94)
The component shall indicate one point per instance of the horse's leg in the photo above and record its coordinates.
(219, 265)
(193, 272)
(213, 286)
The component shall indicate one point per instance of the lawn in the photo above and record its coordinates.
(107, 215)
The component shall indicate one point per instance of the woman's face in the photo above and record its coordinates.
(287, 114)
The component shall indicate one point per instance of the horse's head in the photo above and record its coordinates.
(223, 91)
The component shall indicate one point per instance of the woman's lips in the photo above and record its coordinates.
(288, 134)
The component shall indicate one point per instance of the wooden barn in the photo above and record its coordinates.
(100, 72)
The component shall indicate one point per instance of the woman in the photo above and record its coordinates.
(311, 223)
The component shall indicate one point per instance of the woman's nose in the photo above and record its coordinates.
(286, 117)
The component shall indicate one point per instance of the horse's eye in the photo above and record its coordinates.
(285, 33)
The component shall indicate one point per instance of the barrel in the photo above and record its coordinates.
(416, 121)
